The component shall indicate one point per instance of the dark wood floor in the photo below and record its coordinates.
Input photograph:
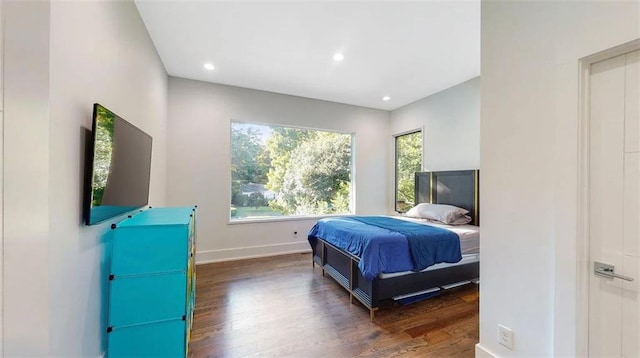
(282, 307)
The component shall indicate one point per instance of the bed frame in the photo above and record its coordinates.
(459, 188)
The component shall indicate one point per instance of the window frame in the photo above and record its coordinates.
(352, 183)
(395, 160)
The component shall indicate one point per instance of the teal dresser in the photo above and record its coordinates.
(152, 284)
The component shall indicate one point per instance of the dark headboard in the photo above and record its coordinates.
(457, 187)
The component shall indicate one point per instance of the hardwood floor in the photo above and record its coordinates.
(282, 307)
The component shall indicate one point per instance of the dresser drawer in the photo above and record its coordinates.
(141, 299)
(158, 339)
(143, 250)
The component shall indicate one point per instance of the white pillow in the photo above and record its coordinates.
(464, 219)
(447, 214)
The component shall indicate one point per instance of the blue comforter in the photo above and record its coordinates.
(386, 245)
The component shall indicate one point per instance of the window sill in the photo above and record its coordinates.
(282, 218)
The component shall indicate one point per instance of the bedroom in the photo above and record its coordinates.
(58, 255)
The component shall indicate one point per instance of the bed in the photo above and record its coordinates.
(394, 279)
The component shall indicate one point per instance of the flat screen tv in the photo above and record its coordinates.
(119, 162)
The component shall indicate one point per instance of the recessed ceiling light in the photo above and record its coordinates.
(209, 66)
(338, 57)
(386, 98)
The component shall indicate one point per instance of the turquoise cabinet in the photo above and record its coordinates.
(152, 284)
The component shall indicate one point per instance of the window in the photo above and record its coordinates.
(408, 162)
(279, 171)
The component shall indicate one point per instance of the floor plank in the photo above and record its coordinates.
(282, 307)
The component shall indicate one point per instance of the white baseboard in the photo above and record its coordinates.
(242, 253)
(482, 352)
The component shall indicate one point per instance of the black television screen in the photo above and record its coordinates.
(120, 165)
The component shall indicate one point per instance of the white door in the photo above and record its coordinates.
(614, 207)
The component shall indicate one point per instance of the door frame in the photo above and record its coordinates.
(1, 178)
(583, 266)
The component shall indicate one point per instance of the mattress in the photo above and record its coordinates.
(466, 259)
(469, 234)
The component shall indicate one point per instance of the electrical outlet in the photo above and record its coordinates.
(505, 336)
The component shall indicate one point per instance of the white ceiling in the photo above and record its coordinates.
(404, 50)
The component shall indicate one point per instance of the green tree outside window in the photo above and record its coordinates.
(280, 171)
(408, 162)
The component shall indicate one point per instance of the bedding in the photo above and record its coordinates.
(386, 244)
(446, 214)
(469, 234)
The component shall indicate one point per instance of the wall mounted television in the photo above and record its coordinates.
(118, 167)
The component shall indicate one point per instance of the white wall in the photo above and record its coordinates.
(451, 122)
(199, 161)
(529, 122)
(1, 172)
(26, 174)
(79, 53)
